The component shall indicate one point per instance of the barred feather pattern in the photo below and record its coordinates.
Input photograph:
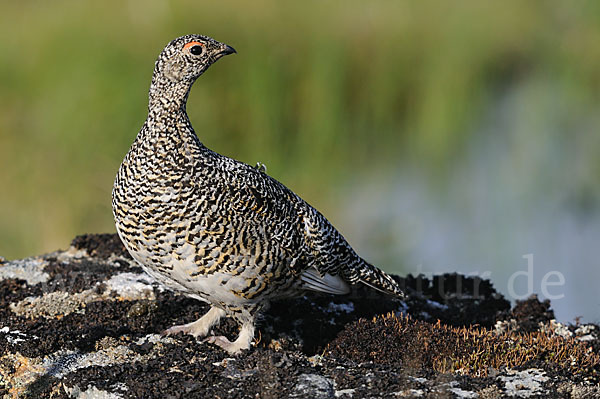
(214, 228)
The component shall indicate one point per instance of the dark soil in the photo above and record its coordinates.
(101, 246)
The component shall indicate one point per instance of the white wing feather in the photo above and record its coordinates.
(328, 283)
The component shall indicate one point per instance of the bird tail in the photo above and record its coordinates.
(369, 275)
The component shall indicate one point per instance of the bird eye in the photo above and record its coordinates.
(194, 47)
(196, 50)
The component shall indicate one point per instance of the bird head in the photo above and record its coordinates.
(187, 57)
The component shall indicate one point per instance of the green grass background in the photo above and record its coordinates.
(320, 91)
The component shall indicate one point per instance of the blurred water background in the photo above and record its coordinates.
(437, 136)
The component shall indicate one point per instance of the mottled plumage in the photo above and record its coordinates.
(217, 229)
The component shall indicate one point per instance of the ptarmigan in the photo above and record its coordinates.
(216, 229)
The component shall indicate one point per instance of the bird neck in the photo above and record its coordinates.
(168, 124)
(167, 96)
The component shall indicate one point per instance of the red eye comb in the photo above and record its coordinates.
(191, 44)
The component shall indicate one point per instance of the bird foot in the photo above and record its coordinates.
(222, 342)
(186, 329)
(199, 328)
(241, 343)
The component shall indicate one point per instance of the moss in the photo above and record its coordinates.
(473, 351)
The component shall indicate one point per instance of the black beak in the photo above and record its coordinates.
(224, 50)
(228, 50)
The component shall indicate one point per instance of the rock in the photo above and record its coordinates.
(86, 323)
(313, 386)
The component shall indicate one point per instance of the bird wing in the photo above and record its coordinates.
(310, 246)
(313, 280)
(334, 255)
(256, 199)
